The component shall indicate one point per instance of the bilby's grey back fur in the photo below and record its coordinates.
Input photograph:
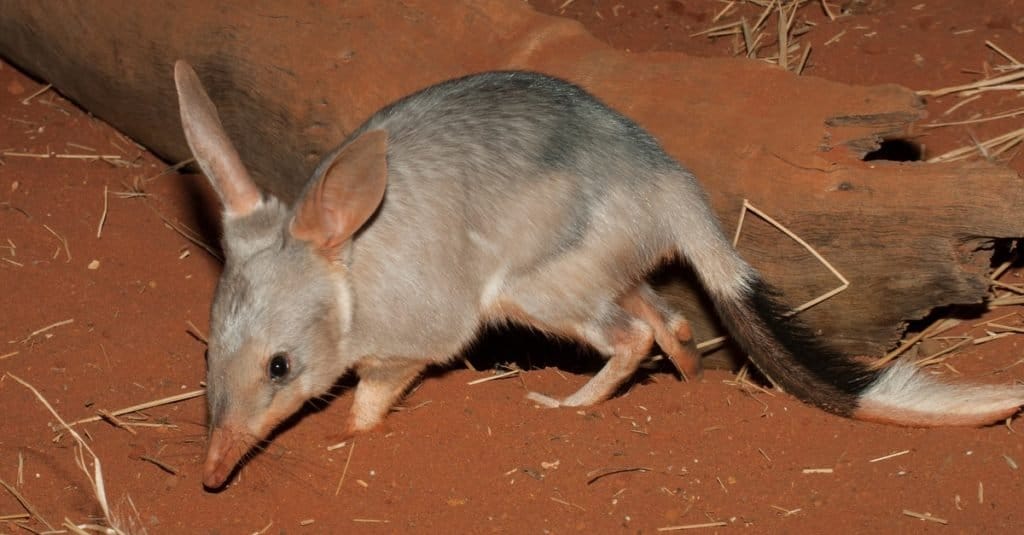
(515, 170)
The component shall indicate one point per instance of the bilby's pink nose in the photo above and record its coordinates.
(225, 450)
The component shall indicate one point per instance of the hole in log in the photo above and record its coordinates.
(896, 150)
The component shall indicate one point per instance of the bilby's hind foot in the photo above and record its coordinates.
(671, 330)
(630, 340)
(544, 400)
(685, 355)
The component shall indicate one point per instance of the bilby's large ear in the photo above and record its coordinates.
(211, 147)
(347, 193)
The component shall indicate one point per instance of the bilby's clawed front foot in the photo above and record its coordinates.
(355, 425)
(381, 384)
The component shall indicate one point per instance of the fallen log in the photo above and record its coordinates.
(292, 80)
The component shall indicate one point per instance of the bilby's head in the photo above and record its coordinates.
(283, 303)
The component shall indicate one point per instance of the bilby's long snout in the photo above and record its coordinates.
(226, 448)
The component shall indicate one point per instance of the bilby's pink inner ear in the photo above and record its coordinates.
(348, 193)
(210, 145)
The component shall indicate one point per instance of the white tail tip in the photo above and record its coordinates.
(903, 395)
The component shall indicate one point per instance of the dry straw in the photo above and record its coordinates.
(141, 406)
(994, 147)
(685, 527)
(844, 283)
(751, 36)
(95, 477)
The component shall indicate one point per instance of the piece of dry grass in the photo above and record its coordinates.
(709, 345)
(995, 148)
(1010, 462)
(750, 37)
(1017, 289)
(890, 456)
(1004, 328)
(724, 11)
(942, 355)
(21, 468)
(803, 59)
(684, 527)
(137, 191)
(42, 330)
(1006, 301)
(995, 331)
(989, 149)
(12, 249)
(96, 476)
(787, 512)
(925, 516)
(844, 283)
(143, 406)
(835, 38)
(115, 422)
(25, 101)
(197, 333)
(907, 344)
(189, 235)
(103, 215)
(974, 87)
(505, 375)
(742, 380)
(958, 105)
(601, 473)
(344, 471)
(785, 29)
(26, 504)
(818, 470)
(828, 10)
(567, 503)
(990, 337)
(1009, 114)
(62, 240)
(160, 464)
(113, 159)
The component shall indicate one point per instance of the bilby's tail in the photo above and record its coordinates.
(794, 359)
(788, 353)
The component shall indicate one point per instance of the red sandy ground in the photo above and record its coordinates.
(461, 458)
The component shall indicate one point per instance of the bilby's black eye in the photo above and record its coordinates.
(279, 366)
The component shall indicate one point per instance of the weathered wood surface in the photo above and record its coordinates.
(293, 80)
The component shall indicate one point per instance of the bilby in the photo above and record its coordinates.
(497, 197)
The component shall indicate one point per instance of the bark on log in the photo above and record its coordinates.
(292, 80)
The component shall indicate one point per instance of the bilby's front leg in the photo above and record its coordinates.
(381, 383)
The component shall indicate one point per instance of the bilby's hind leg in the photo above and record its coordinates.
(380, 385)
(628, 340)
(671, 330)
(576, 294)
